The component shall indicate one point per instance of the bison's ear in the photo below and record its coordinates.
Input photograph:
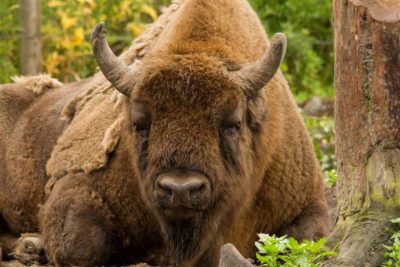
(257, 75)
(120, 75)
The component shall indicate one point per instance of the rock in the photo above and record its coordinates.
(317, 107)
(231, 257)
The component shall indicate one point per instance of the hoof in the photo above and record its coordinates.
(29, 249)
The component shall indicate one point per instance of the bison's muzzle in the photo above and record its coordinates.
(182, 194)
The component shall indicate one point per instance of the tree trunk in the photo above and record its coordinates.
(367, 122)
(31, 53)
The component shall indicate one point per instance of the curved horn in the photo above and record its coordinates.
(257, 75)
(120, 75)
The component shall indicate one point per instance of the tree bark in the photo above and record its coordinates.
(367, 122)
(31, 51)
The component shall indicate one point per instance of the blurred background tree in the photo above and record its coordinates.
(308, 64)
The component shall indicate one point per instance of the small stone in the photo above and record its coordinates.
(231, 257)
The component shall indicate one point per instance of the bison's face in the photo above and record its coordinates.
(192, 135)
(195, 117)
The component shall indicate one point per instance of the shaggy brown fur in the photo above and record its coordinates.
(101, 172)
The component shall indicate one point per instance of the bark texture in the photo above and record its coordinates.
(31, 50)
(367, 115)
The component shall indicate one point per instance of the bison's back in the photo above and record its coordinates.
(30, 119)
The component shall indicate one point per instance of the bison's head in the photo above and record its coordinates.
(194, 114)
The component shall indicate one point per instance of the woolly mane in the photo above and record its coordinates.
(97, 114)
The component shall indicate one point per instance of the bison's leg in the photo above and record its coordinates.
(7, 241)
(311, 224)
(29, 249)
(77, 225)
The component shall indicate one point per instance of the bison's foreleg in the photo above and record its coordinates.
(310, 224)
(29, 249)
(77, 225)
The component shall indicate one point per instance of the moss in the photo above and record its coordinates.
(383, 180)
(360, 238)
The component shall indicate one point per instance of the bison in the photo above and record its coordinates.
(202, 145)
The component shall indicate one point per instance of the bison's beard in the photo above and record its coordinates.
(188, 240)
(183, 237)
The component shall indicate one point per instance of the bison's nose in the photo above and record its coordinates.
(183, 189)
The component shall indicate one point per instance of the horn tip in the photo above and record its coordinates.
(99, 31)
(279, 37)
(279, 41)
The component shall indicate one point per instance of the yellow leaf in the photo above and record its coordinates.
(102, 17)
(87, 10)
(150, 11)
(136, 28)
(78, 37)
(14, 7)
(66, 43)
(123, 10)
(92, 3)
(52, 62)
(66, 22)
(55, 3)
(124, 5)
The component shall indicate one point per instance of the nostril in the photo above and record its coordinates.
(202, 187)
(197, 189)
(166, 190)
(200, 192)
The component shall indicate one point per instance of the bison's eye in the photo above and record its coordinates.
(232, 127)
(141, 121)
(141, 128)
(232, 117)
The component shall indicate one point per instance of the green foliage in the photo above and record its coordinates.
(330, 177)
(392, 255)
(65, 28)
(322, 134)
(308, 64)
(9, 34)
(67, 25)
(281, 251)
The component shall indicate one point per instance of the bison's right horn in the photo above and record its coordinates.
(120, 75)
(257, 75)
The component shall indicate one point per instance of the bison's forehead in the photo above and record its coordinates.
(188, 83)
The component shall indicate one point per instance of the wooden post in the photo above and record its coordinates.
(367, 122)
(31, 53)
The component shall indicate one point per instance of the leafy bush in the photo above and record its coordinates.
(281, 251)
(392, 256)
(330, 177)
(322, 134)
(308, 64)
(9, 34)
(66, 26)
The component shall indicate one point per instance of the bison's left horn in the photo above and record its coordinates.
(257, 75)
(120, 75)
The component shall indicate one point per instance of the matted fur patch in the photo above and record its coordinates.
(97, 115)
(37, 84)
